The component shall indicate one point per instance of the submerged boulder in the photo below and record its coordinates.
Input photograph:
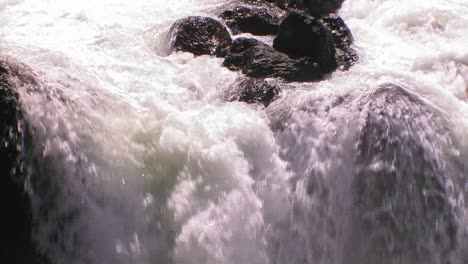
(256, 59)
(249, 19)
(404, 183)
(387, 193)
(301, 35)
(200, 36)
(16, 243)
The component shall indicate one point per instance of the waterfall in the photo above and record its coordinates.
(135, 156)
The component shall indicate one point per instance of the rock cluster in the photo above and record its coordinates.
(308, 43)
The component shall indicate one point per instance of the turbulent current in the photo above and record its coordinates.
(138, 159)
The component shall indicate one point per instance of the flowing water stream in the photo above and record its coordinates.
(137, 159)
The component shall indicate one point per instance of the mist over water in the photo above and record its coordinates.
(137, 159)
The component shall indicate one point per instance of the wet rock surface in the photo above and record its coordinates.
(316, 8)
(301, 35)
(200, 36)
(345, 55)
(321, 7)
(258, 60)
(256, 20)
(251, 90)
(17, 245)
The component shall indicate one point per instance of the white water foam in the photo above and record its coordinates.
(149, 158)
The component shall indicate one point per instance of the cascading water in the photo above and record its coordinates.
(136, 158)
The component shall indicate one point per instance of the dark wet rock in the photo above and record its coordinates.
(250, 19)
(16, 243)
(251, 90)
(340, 32)
(301, 35)
(286, 4)
(200, 36)
(265, 3)
(345, 55)
(316, 8)
(10, 139)
(402, 210)
(256, 59)
(321, 7)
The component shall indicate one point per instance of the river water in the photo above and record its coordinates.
(137, 159)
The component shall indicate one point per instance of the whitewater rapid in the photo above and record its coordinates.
(145, 163)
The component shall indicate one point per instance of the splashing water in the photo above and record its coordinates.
(137, 160)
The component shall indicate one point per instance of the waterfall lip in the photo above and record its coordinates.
(407, 91)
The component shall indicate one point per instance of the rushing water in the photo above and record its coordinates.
(138, 160)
